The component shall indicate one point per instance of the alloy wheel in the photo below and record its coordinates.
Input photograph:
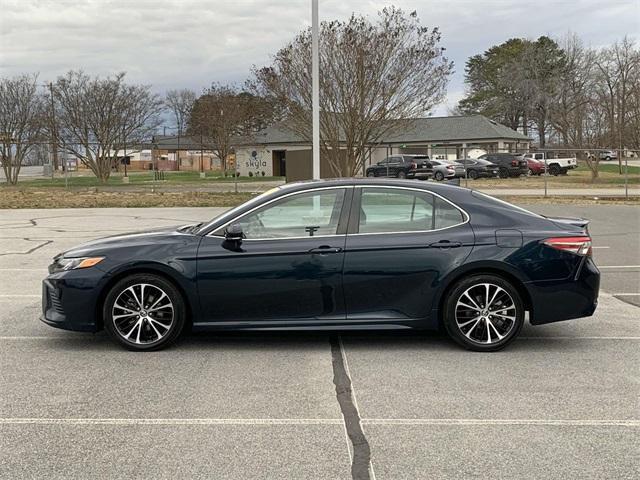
(485, 313)
(143, 314)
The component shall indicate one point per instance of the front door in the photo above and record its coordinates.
(287, 269)
(401, 243)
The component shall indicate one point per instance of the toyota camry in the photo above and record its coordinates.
(330, 255)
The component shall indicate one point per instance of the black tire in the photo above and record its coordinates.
(371, 173)
(607, 158)
(401, 174)
(554, 170)
(473, 174)
(503, 173)
(467, 333)
(439, 176)
(530, 173)
(154, 285)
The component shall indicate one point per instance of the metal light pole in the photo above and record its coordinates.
(315, 89)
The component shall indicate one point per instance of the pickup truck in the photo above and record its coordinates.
(555, 165)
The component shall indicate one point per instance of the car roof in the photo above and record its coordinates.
(438, 187)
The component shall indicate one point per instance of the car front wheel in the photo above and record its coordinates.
(144, 312)
(401, 174)
(483, 313)
(504, 173)
(371, 173)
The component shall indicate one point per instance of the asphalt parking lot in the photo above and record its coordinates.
(561, 402)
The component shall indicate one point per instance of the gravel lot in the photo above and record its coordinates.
(561, 402)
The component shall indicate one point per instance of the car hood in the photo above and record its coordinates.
(126, 240)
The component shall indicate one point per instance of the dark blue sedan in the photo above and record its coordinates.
(335, 254)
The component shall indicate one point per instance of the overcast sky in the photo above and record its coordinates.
(184, 43)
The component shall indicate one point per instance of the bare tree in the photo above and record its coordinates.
(373, 77)
(96, 116)
(22, 119)
(618, 69)
(224, 115)
(570, 107)
(180, 103)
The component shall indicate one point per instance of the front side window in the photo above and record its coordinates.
(386, 210)
(301, 215)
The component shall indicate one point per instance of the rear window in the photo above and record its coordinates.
(503, 204)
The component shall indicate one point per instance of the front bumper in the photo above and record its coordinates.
(70, 299)
(557, 300)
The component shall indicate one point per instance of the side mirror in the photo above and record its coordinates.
(233, 233)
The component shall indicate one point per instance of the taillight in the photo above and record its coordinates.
(577, 245)
(414, 165)
(514, 163)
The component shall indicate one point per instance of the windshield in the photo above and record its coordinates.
(234, 210)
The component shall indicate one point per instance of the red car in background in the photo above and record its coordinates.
(536, 167)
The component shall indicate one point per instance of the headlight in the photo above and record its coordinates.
(62, 263)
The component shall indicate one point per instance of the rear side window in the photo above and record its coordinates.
(390, 210)
(446, 215)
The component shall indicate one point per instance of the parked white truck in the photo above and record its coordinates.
(555, 165)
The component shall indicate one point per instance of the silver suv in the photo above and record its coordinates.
(608, 155)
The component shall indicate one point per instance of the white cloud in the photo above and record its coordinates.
(190, 43)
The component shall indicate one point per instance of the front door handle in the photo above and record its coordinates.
(323, 249)
(445, 244)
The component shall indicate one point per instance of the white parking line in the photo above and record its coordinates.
(171, 421)
(498, 421)
(600, 247)
(566, 337)
(20, 296)
(315, 421)
(626, 294)
(41, 270)
(618, 266)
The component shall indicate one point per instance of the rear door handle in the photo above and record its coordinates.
(324, 249)
(445, 244)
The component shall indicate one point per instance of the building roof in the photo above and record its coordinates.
(424, 130)
(459, 128)
(454, 128)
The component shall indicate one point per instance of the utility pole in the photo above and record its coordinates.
(315, 89)
(54, 131)
(201, 156)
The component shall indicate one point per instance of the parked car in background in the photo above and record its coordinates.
(402, 166)
(556, 164)
(446, 169)
(608, 155)
(478, 168)
(536, 167)
(509, 164)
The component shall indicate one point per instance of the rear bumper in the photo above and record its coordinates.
(576, 297)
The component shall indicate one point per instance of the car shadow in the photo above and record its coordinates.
(262, 341)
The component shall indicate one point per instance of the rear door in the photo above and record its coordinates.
(401, 242)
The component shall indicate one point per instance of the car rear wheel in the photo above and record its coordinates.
(144, 312)
(401, 174)
(504, 173)
(439, 176)
(473, 175)
(371, 174)
(483, 313)
(554, 170)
